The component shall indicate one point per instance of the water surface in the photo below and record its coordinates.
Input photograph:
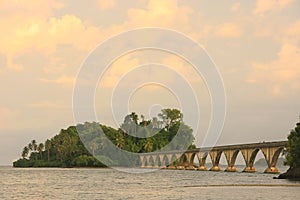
(52, 183)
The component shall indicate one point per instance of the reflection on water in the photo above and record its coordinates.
(162, 184)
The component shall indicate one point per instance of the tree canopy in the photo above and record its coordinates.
(293, 148)
(81, 145)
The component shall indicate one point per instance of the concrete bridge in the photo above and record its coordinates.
(185, 160)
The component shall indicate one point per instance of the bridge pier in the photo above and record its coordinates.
(272, 170)
(202, 168)
(231, 158)
(215, 158)
(231, 169)
(202, 159)
(173, 161)
(249, 157)
(249, 169)
(190, 161)
(271, 155)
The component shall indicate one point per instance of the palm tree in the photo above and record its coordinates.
(34, 145)
(25, 152)
(155, 123)
(120, 141)
(40, 149)
(48, 147)
(94, 146)
(30, 148)
(135, 119)
(148, 145)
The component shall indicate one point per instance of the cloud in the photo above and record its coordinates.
(106, 4)
(6, 117)
(41, 31)
(67, 81)
(281, 75)
(294, 30)
(167, 14)
(228, 30)
(47, 104)
(264, 6)
(22, 32)
(236, 6)
(119, 68)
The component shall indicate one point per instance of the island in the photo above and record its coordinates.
(293, 155)
(70, 149)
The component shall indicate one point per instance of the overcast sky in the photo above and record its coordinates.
(255, 45)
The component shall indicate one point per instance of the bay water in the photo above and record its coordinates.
(90, 183)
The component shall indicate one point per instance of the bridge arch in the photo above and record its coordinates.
(271, 155)
(173, 161)
(151, 162)
(157, 162)
(183, 160)
(249, 157)
(202, 160)
(165, 161)
(215, 156)
(144, 161)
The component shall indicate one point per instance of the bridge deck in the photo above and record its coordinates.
(225, 147)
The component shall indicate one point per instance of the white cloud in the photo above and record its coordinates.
(46, 105)
(106, 4)
(7, 117)
(228, 30)
(264, 6)
(279, 76)
(43, 34)
(67, 81)
(236, 6)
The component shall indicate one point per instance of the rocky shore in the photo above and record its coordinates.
(291, 173)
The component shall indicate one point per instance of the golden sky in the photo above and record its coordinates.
(254, 43)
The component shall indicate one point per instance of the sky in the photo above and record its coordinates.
(254, 44)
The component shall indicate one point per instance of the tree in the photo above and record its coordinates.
(30, 147)
(148, 145)
(94, 146)
(134, 117)
(40, 149)
(293, 147)
(47, 148)
(120, 141)
(171, 117)
(25, 152)
(155, 123)
(34, 145)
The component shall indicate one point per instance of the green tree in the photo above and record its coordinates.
(293, 147)
(34, 145)
(25, 152)
(47, 148)
(170, 117)
(40, 149)
(94, 146)
(148, 145)
(120, 141)
(30, 148)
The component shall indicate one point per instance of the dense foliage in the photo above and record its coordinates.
(139, 136)
(293, 148)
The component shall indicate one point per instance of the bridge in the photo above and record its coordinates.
(185, 160)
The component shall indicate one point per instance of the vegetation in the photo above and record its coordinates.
(293, 155)
(81, 145)
(293, 148)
